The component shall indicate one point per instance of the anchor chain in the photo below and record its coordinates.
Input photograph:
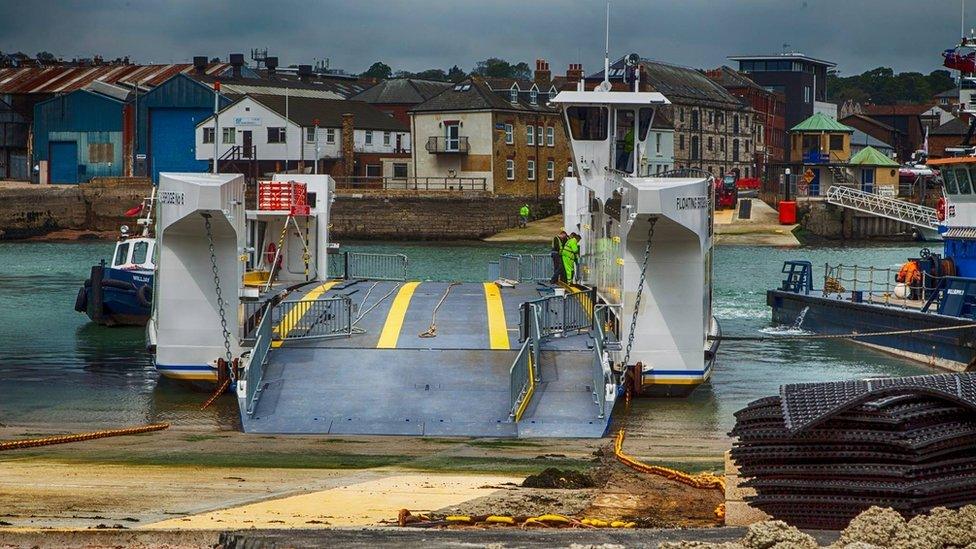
(220, 298)
(640, 290)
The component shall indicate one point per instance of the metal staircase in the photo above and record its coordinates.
(841, 175)
(891, 208)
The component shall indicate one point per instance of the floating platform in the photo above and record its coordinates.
(385, 379)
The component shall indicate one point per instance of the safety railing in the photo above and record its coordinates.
(313, 318)
(522, 381)
(252, 314)
(521, 268)
(359, 265)
(879, 285)
(254, 369)
(411, 184)
(883, 206)
(559, 315)
(602, 375)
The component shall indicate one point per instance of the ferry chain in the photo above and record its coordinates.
(220, 299)
(852, 335)
(640, 290)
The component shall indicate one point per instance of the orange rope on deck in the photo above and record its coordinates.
(220, 390)
(704, 481)
(62, 439)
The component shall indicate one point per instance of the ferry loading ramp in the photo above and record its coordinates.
(386, 379)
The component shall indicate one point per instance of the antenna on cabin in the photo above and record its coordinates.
(605, 85)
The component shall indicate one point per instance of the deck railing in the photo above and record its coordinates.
(521, 268)
(876, 285)
(602, 375)
(414, 184)
(559, 315)
(521, 381)
(358, 265)
(254, 368)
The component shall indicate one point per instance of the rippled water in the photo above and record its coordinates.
(57, 368)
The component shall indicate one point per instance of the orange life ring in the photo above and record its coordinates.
(940, 209)
(270, 252)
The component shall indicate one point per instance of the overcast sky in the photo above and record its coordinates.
(418, 34)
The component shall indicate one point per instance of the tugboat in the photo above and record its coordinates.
(120, 294)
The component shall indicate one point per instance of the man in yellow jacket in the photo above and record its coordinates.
(570, 253)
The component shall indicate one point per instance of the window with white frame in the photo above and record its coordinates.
(657, 142)
(228, 136)
(369, 137)
(513, 95)
(509, 134)
(551, 136)
(530, 135)
(539, 139)
(534, 97)
(310, 135)
(510, 170)
(550, 171)
(530, 170)
(330, 135)
(386, 139)
(208, 135)
(276, 135)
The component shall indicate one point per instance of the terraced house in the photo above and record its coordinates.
(493, 134)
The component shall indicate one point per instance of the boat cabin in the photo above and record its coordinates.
(135, 254)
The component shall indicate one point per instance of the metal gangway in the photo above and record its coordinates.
(883, 206)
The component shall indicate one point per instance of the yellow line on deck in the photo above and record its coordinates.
(289, 320)
(497, 329)
(394, 319)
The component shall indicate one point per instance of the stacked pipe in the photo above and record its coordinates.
(819, 454)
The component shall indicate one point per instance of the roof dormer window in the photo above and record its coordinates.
(534, 96)
(513, 94)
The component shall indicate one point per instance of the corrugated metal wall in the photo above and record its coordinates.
(91, 120)
(181, 91)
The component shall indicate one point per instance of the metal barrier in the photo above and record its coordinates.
(369, 266)
(254, 369)
(602, 375)
(522, 381)
(314, 318)
(417, 184)
(559, 315)
(522, 267)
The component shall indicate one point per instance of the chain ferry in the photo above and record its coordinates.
(315, 341)
(121, 293)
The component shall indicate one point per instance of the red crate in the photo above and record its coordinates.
(283, 196)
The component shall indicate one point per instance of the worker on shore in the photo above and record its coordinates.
(558, 272)
(524, 216)
(570, 255)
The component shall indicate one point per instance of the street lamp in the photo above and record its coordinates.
(787, 197)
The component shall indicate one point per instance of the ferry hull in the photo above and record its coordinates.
(953, 350)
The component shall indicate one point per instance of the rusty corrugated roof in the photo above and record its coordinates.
(45, 80)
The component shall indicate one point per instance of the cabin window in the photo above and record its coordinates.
(644, 115)
(588, 123)
(121, 254)
(949, 177)
(963, 181)
(972, 176)
(140, 252)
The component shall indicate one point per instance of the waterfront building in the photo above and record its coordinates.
(901, 125)
(874, 172)
(822, 147)
(769, 122)
(861, 140)
(800, 78)
(713, 129)
(397, 96)
(950, 134)
(83, 134)
(271, 133)
(499, 132)
(14, 131)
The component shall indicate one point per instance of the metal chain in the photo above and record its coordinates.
(640, 290)
(220, 298)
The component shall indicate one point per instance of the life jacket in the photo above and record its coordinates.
(909, 273)
(557, 244)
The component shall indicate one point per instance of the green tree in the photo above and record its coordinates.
(45, 56)
(378, 70)
(432, 74)
(456, 74)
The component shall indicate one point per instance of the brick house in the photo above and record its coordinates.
(769, 122)
(501, 132)
(398, 95)
(950, 134)
(713, 130)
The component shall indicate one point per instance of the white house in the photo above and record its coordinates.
(278, 130)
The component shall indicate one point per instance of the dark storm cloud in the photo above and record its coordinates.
(420, 34)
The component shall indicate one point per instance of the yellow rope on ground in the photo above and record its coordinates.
(220, 390)
(704, 481)
(62, 439)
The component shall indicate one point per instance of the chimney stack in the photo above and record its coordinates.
(272, 65)
(348, 154)
(543, 76)
(304, 72)
(575, 72)
(236, 62)
(200, 64)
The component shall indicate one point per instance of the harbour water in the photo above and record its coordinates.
(58, 369)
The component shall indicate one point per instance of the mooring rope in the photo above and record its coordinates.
(61, 439)
(852, 335)
(432, 331)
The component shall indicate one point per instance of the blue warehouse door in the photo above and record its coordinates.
(172, 140)
(63, 166)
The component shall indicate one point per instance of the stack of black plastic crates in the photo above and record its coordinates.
(820, 453)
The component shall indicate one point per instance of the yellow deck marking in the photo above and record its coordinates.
(289, 321)
(394, 319)
(497, 329)
(528, 394)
